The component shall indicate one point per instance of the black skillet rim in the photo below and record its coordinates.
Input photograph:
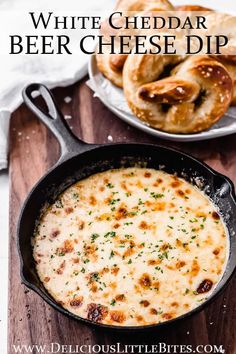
(160, 325)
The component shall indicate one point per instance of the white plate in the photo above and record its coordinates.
(114, 99)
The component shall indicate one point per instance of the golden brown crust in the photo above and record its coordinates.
(106, 64)
(231, 68)
(203, 84)
(117, 62)
(170, 90)
(228, 57)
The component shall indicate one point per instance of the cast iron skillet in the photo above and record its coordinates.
(79, 160)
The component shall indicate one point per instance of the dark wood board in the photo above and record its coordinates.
(33, 150)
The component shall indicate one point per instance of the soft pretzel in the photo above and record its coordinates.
(230, 65)
(218, 23)
(111, 65)
(192, 99)
(213, 21)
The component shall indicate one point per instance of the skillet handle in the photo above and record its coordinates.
(54, 120)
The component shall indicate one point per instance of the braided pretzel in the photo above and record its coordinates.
(111, 65)
(192, 99)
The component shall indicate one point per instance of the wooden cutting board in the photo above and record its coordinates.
(33, 150)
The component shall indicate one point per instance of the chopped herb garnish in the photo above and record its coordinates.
(59, 203)
(165, 254)
(110, 234)
(94, 237)
(159, 269)
(156, 195)
(133, 213)
(111, 254)
(113, 201)
(140, 202)
(75, 195)
(95, 277)
(193, 220)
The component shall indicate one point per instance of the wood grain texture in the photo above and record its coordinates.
(33, 150)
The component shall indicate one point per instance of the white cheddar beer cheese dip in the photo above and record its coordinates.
(130, 247)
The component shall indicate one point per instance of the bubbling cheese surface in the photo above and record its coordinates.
(130, 247)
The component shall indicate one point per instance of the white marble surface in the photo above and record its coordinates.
(4, 216)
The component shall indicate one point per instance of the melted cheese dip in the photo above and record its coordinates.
(130, 246)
